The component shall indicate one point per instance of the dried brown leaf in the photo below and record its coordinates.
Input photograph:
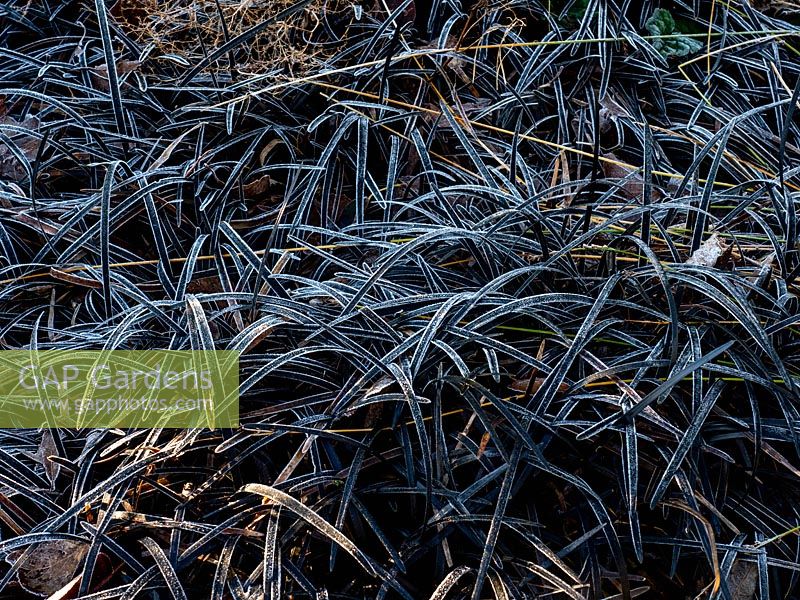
(50, 566)
(709, 253)
(743, 580)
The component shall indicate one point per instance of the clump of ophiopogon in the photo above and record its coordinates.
(513, 287)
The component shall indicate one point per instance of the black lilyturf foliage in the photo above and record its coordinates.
(514, 286)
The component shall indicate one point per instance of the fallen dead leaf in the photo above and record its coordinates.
(100, 73)
(610, 111)
(69, 591)
(633, 187)
(380, 385)
(709, 253)
(49, 566)
(204, 285)
(743, 580)
(28, 145)
(48, 448)
(257, 188)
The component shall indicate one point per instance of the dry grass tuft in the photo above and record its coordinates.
(295, 45)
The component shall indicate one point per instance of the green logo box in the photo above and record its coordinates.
(119, 388)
